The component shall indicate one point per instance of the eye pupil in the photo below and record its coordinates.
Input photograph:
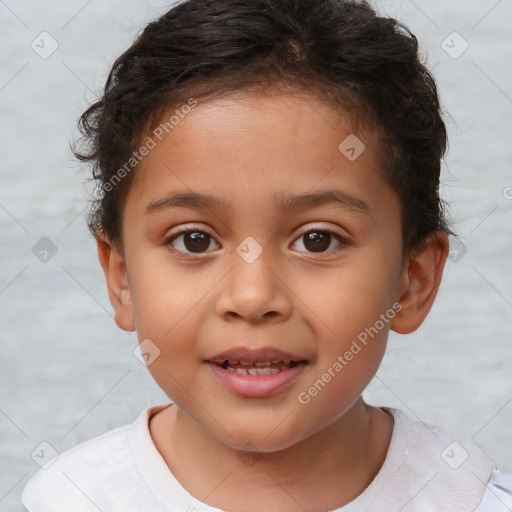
(200, 240)
(319, 240)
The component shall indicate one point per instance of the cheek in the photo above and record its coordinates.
(172, 327)
(344, 309)
(169, 307)
(162, 296)
(168, 320)
(348, 299)
(338, 382)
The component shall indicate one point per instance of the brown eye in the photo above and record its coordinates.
(319, 241)
(196, 241)
(191, 241)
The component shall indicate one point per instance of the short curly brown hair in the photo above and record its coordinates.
(342, 50)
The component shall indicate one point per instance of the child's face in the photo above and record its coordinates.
(309, 297)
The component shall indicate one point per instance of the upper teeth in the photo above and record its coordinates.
(266, 363)
(257, 368)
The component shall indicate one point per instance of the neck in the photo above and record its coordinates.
(322, 472)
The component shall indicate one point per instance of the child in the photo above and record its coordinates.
(268, 128)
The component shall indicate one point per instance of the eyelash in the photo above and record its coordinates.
(195, 229)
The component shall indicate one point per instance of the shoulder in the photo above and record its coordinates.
(451, 472)
(76, 474)
(100, 474)
(440, 448)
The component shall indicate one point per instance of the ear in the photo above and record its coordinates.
(117, 282)
(419, 284)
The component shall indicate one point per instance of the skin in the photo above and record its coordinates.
(245, 148)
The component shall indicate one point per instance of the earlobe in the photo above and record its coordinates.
(420, 283)
(119, 293)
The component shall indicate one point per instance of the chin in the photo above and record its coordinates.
(260, 439)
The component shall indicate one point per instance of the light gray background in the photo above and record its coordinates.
(69, 374)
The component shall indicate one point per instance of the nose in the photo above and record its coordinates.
(254, 292)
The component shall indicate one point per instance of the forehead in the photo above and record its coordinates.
(255, 151)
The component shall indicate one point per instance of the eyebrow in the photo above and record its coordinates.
(284, 201)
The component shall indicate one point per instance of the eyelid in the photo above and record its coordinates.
(187, 227)
(184, 229)
(314, 226)
(343, 241)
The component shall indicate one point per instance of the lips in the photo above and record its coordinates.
(256, 373)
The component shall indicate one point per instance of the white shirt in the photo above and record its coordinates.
(426, 469)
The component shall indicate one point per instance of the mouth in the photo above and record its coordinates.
(256, 373)
(258, 368)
